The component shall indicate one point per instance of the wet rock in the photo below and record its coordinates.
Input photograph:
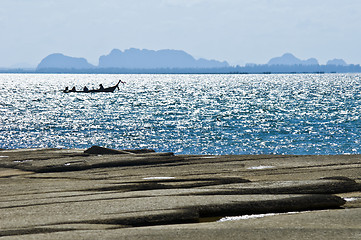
(102, 151)
(178, 183)
(320, 225)
(273, 204)
(322, 186)
(139, 151)
(122, 209)
(342, 178)
(55, 160)
(111, 192)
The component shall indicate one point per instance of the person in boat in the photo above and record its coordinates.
(66, 89)
(73, 90)
(101, 87)
(85, 89)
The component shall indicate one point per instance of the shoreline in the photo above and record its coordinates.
(111, 194)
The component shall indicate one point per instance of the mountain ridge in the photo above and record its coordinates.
(290, 59)
(59, 60)
(132, 58)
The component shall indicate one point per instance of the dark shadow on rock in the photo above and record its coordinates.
(139, 151)
(102, 151)
(331, 185)
(293, 203)
(171, 184)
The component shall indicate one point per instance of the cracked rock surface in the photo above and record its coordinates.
(104, 193)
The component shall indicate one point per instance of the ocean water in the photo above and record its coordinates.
(185, 114)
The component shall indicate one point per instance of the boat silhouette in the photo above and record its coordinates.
(101, 89)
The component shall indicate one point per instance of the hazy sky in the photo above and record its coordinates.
(238, 31)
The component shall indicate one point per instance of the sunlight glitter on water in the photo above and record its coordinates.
(187, 114)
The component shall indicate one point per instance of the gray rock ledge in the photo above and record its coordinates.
(106, 194)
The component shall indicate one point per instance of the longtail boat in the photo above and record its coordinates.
(101, 89)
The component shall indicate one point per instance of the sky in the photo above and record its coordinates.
(236, 31)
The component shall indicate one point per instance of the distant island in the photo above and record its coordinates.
(58, 60)
(149, 59)
(288, 59)
(337, 62)
(176, 61)
(131, 59)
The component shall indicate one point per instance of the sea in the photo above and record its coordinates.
(217, 114)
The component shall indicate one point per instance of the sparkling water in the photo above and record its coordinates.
(185, 114)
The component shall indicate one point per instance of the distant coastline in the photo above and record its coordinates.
(256, 69)
(137, 61)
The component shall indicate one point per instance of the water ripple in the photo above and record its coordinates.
(188, 114)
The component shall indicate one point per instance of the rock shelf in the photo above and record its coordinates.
(102, 193)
